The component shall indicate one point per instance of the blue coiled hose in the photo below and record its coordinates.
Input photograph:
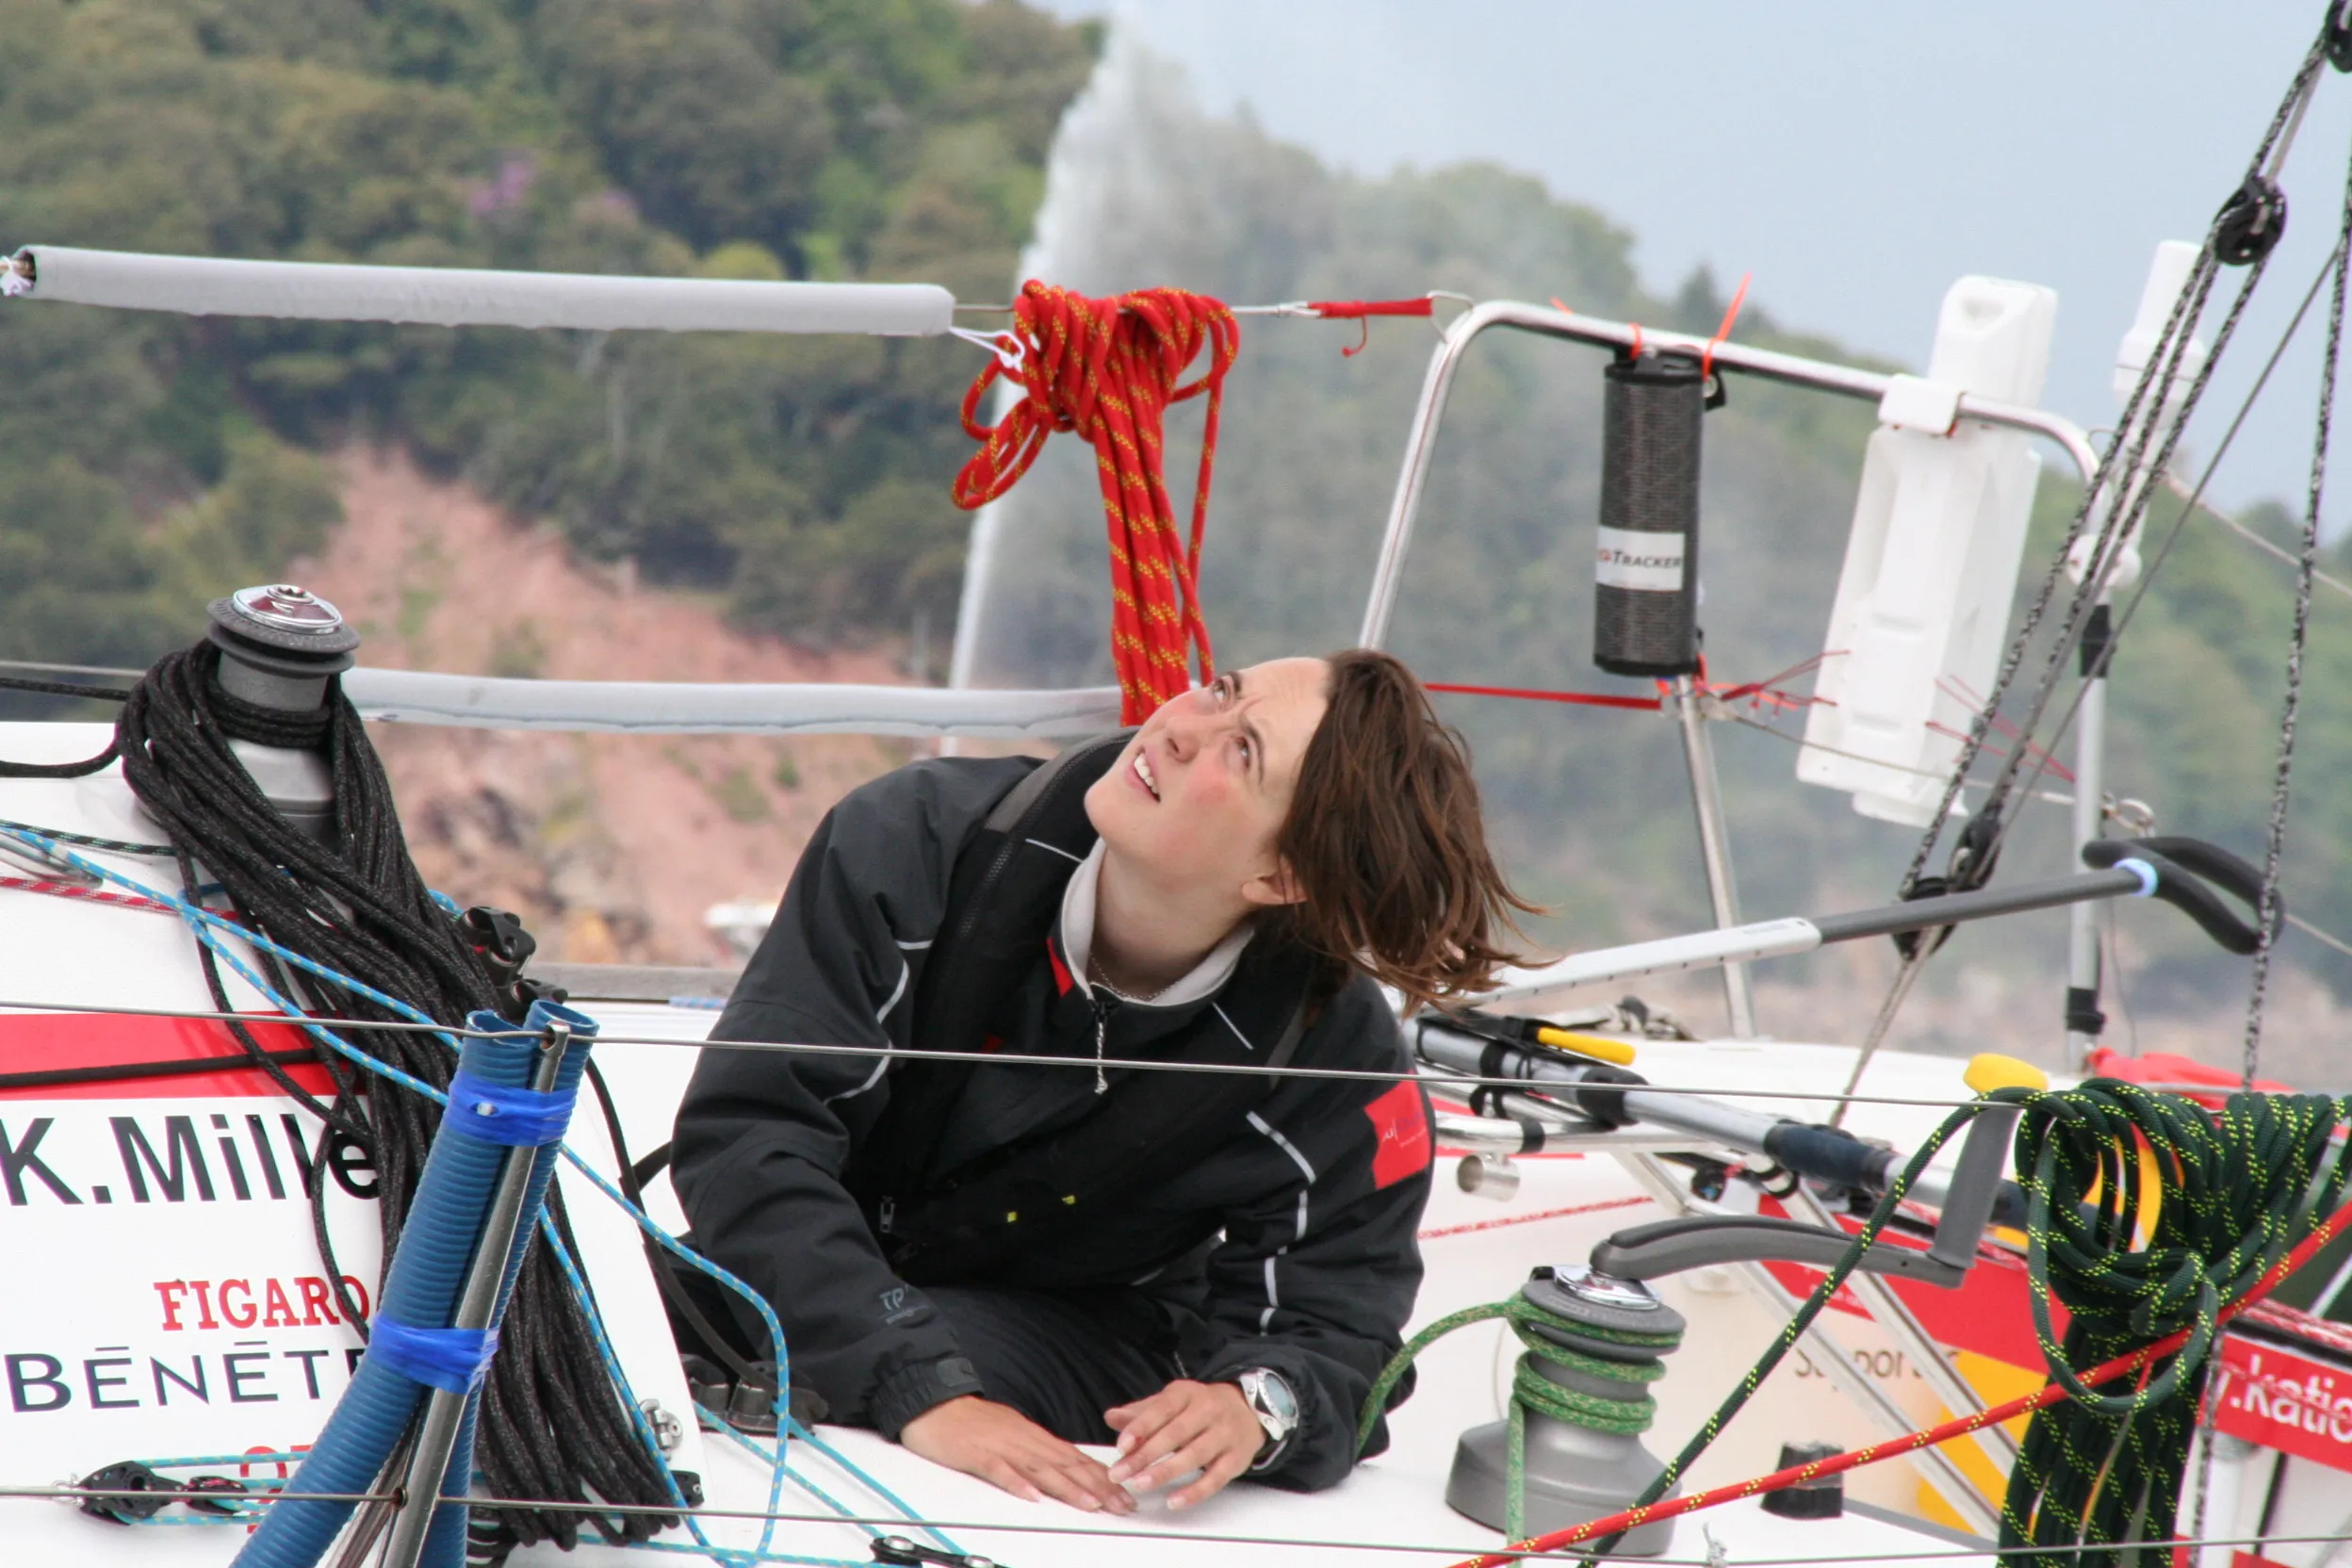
(445, 1546)
(421, 1288)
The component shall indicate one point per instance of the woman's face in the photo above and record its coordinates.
(1198, 796)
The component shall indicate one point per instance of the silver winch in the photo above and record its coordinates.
(1595, 1340)
(280, 647)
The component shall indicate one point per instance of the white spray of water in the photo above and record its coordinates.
(1078, 173)
(1119, 194)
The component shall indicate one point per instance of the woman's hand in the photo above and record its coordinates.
(1187, 1426)
(1005, 1449)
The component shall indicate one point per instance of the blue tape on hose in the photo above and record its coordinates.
(520, 1118)
(2146, 872)
(451, 1360)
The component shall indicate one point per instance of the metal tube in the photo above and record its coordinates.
(1927, 913)
(1773, 939)
(724, 708)
(1821, 375)
(1723, 887)
(458, 296)
(1764, 939)
(1437, 386)
(2090, 792)
(438, 1432)
(1716, 1120)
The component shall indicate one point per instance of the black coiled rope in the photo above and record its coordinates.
(60, 689)
(552, 1423)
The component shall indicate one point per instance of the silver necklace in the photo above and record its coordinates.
(1095, 974)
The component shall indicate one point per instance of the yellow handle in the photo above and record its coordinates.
(1991, 1070)
(1598, 1047)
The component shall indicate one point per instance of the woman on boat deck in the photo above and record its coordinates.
(993, 1262)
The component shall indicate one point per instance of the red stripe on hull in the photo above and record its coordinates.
(46, 1042)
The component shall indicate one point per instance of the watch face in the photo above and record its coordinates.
(1273, 1395)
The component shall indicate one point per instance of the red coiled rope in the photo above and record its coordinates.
(1109, 370)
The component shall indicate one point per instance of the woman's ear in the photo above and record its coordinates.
(1275, 889)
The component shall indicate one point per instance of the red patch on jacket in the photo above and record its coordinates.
(1402, 1129)
(1062, 981)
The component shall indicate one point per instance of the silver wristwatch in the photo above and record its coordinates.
(1276, 1408)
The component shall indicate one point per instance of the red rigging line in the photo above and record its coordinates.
(1754, 692)
(1109, 370)
(1731, 318)
(1363, 310)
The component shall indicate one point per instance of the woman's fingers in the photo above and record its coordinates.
(1215, 1476)
(1136, 1423)
(1062, 1473)
(1008, 1450)
(1006, 1476)
(1147, 1462)
(1187, 1426)
(1084, 1484)
(1150, 1428)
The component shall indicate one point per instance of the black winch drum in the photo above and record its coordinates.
(1645, 609)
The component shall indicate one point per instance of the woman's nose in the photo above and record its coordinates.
(1185, 728)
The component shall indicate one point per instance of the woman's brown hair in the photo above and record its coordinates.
(1386, 844)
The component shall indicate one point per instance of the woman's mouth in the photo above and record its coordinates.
(1143, 773)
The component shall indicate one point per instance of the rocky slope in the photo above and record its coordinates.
(613, 848)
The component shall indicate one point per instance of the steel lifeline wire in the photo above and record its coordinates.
(2244, 1197)
(1109, 369)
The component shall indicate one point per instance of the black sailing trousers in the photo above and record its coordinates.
(1061, 1358)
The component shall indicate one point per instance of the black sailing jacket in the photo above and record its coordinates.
(1293, 1237)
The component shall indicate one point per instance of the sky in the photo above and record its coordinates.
(1856, 158)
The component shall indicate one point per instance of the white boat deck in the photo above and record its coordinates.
(98, 1292)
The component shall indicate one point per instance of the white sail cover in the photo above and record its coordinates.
(464, 297)
(677, 708)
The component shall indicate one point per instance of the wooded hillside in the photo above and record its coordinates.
(148, 459)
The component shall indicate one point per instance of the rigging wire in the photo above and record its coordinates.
(2126, 470)
(2274, 840)
(265, 1495)
(318, 1022)
(1915, 1165)
(2095, 572)
(2193, 499)
(2332, 583)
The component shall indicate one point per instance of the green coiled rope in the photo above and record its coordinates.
(2235, 1190)
(1530, 1390)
